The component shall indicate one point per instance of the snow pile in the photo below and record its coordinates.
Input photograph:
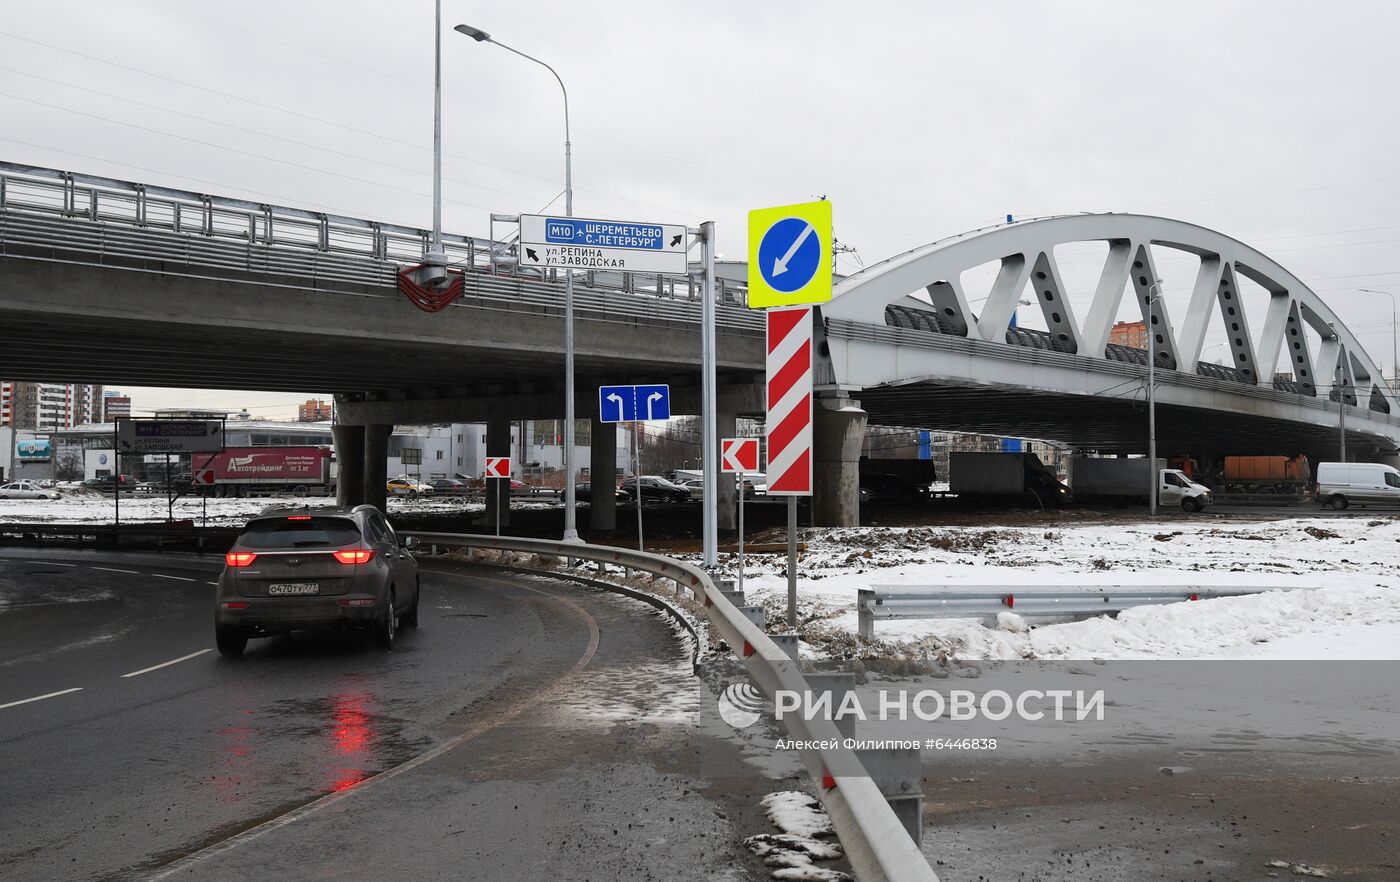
(793, 852)
(1334, 588)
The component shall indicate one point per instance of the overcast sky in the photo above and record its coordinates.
(1273, 122)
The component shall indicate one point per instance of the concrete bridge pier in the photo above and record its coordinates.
(497, 491)
(838, 430)
(376, 464)
(727, 497)
(350, 464)
(602, 471)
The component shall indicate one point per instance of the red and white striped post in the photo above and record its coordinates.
(789, 421)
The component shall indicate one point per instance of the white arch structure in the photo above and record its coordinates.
(1025, 254)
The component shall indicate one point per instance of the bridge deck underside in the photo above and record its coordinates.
(1110, 425)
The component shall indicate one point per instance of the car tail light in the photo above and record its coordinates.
(236, 604)
(354, 556)
(239, 558)
(298, 517)
(357, 602)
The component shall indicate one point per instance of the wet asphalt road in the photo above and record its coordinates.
(531, 729)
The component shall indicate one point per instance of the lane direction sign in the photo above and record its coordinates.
(738, 455)
(624, 404)
(589, 243)
(498, 467)
(790, 255)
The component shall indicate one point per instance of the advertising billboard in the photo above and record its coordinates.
(34, 450)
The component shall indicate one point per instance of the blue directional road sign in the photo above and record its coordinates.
(653, 402)
(789, 255)
(623, 404)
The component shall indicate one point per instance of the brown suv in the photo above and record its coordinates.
(295, 569)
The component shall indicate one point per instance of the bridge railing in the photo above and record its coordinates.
(875, 841)
(272, 228)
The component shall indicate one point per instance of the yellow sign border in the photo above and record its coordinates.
(818, 290)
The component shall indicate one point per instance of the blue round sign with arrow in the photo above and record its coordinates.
(789, 254)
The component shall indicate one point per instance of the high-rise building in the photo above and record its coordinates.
(115, 404)
(49, 406)
(314, 411)
(1132, 334)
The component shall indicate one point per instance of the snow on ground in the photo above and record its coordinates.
(80, 507)
(1337, 588)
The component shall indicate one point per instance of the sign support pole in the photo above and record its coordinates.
(498, 505)
(117, 484)
(792, 562)
(637, 474)
(709, 461)
(739, 480)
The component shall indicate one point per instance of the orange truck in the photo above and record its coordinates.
(1266, 474)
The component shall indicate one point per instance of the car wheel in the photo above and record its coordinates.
(230, 641)
(387, 627)
(1338, 503)
(410, 618)
(413, 494)
(1190, 505)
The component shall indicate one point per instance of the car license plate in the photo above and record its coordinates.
(293, 588)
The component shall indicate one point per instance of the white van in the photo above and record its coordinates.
(1340, 484)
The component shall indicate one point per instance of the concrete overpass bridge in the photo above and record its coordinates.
(110, 281)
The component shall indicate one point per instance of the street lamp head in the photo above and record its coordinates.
(475, 33)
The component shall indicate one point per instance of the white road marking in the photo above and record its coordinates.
(42, 697)
(215, 584)
(114, 570)
(51, 563)
(173, 661)
(173, 578)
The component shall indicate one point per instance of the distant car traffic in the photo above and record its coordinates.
(890, 489)
(108, 483)
(407, 487)
(696, 486)
(655, 488)
(583, 492)
(297, 569)
(27, 490)
(449, 487)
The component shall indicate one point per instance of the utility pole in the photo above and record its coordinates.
(1153, 478)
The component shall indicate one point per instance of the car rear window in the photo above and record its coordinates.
(273, 533)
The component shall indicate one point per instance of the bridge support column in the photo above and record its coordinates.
(838, 431)
(727, 426)
(497, 491)
(376, 465)
(602, 471)
(350, 464)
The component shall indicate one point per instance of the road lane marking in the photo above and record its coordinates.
(114, 570)
(215, 584)
(42, 697)
(51, 563)
(174, 578)
(478, 728)
(173, 661)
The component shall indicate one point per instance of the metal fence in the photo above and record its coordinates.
(986, 601)
(120, 219)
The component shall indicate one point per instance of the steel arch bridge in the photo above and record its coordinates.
(903, 337)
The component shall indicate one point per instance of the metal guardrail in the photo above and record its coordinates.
(88, 219)
(985, 601)
(876, 843)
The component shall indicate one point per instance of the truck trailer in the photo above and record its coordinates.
(1004, 475)
(1266, 474)
(1121, 480)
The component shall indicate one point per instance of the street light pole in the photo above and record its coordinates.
(570, 502)
(1153, 478)
(1394, 348)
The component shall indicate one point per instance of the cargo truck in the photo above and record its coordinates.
(1004, 475)
(1127, 480)
(1266, 474)
(249, 471)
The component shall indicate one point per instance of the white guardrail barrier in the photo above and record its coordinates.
(985, 601)
(876, 843)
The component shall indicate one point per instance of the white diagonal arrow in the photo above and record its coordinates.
(780, 265)
(652, 399)
(731, 458)
(618, 398)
